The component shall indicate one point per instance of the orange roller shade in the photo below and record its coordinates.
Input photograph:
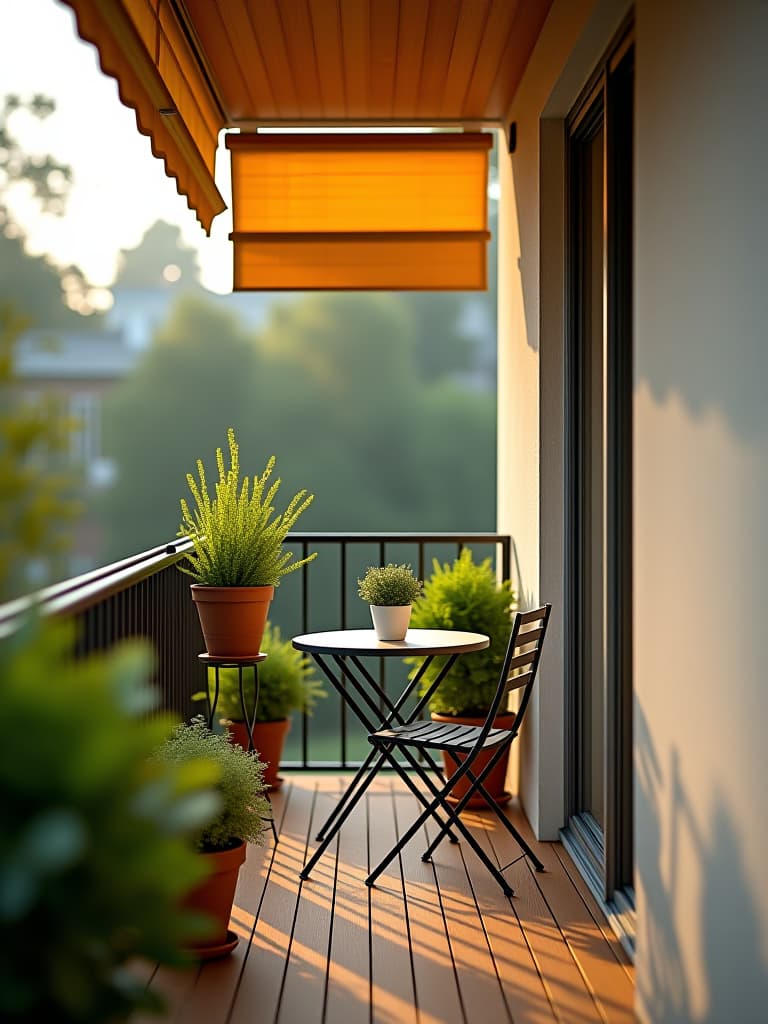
(391, 212)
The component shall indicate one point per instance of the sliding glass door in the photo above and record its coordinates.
(599, 479)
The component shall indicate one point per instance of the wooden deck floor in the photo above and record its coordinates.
(430, 944)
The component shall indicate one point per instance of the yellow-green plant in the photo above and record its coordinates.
(238, 539)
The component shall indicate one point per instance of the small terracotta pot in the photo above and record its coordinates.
(232, 618)
(268, 740)
(214, 897)
(494, 782)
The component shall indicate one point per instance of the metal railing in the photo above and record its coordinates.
(146, 596)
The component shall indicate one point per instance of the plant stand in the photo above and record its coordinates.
(249, 714)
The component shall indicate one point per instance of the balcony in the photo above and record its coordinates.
(430, 943)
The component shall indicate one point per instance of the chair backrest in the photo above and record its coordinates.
(521, 663)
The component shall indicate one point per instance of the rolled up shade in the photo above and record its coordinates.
(377, 211)
(142, 44)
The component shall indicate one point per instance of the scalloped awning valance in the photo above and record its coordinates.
(142, 44)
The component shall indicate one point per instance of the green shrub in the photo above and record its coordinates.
(238, 540)
(287, 682)
(392, 585)
(243, 809)
(466, 596)
(95, 851)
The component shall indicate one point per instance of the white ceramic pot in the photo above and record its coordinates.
(391, 621)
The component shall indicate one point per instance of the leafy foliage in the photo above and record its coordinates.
(287, 682)
(238, 540)
(389, 585)
(36, 504)
(465, 595)
(94, 838)
(243, 808)
(47, 179)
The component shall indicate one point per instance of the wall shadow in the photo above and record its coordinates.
(732, 959)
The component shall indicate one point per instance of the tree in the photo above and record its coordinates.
(45, 294)
(36, 503)
(332, 389)
(197, 378)
(159, 259)
(48, 179)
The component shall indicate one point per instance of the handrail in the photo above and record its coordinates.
(74, 595)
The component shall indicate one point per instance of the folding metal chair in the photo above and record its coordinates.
(463, 744)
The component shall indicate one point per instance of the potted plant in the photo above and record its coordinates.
(238, 555)
(222, 841)
(466, 595)
(287, 682)
(94, 838)
(390, 590)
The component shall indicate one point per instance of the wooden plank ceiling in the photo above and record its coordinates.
(363, 61)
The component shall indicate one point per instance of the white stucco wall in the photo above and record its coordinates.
(701, 510)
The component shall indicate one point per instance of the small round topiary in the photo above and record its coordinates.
(389, 585)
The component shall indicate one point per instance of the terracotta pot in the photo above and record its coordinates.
(390, 622)
(494, 783)
(232, 618)
(214, 897)
(268, 740)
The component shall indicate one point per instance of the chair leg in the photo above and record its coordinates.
(349, 802)
(431, 808)
(476, 786)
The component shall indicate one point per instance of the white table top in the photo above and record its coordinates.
(417, 641)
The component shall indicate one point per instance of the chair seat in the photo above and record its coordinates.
(439, 736)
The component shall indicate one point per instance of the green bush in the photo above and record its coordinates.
(389, 585)
(466, 596)
(238, 540)
(95, 851)
(287, 682)
(243, 810)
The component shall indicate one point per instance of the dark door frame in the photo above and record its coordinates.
(604, 856)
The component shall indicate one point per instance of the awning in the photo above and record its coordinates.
(377, 211)
(143, 46)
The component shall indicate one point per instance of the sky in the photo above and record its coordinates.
(119, 189)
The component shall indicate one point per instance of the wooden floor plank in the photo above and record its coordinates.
(392, 990)
(564, 983)
(437, 990)
(349, 979)
(304, 987)
(595, 912)
(434, 943)
(478, 906)
(598, 959)
(270, 948)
